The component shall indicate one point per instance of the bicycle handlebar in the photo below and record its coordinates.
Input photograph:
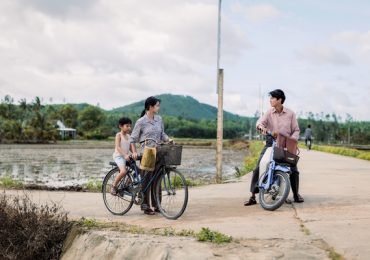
(137, 159)
(151, 139)
(159, 143)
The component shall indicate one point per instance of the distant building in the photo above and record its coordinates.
(66, 132)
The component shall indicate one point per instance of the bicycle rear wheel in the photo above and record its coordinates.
(278, 192)
(171, 193)
(121, 203)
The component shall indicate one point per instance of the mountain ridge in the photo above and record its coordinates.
(180, 106)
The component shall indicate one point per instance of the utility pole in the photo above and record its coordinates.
(220, 119)
(220, 79)
(349, 133)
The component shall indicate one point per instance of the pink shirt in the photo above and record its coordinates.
(284, 123)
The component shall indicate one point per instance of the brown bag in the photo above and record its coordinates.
(286, 151)
(147, 162)
(290, 144)
(283, 156)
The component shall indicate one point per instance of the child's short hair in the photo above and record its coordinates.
(124, 121)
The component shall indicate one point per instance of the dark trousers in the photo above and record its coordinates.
(149, 195)
(294, 176)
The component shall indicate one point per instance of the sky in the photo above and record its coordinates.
(116, 52)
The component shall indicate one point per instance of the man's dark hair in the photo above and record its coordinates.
(124, 121)
(149, 102)
(309, 126)
(278, 94)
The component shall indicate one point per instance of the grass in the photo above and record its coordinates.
(88, 222)
(250, 162)
(236, 144)
(305, 230)
(213, 236)
(194, 183)
(195, 142)
(94, 185)
(364, 155)
(9, 183)
(186, 233)
(176, 182)
(205, 235)
(334, 255)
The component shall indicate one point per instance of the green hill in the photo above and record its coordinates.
(180, 106)
(78, 106)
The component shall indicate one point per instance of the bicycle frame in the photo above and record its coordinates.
(139, 180)
(273, 166)
(155, 173)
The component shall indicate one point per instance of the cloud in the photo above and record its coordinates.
(115, 52)
(352, 37)
(325, 55)
(257, 13)
(112, 52)
(360, 41)
(58, 8)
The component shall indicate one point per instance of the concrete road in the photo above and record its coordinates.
(335, 214)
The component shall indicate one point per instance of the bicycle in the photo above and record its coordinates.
(308, 143)
(171, 191)
(274, 183)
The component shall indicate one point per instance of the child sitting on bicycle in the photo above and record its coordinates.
(122, 150)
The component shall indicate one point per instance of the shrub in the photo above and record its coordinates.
(213, 236)
(28, 231)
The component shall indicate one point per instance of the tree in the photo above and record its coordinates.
(69, 116)
(91, 118)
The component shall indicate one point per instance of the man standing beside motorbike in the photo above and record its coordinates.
(282, 120)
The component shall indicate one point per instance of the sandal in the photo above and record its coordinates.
(298, 199)
(250, 202)
(149, 211)
(113, 191)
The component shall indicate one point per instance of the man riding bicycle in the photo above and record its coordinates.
(308, 137)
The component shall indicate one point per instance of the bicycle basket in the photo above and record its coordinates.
(170, 154)
(283, 156)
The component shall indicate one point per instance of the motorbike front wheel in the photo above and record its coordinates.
(277, 193)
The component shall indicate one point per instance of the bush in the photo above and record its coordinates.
(28, 231)
(213, 236)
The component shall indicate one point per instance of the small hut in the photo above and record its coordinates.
(66, 132)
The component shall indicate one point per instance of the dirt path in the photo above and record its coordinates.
(336, 213)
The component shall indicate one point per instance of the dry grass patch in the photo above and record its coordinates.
(29, 231)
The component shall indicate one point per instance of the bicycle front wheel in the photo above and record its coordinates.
(121, 203)
(171, 193)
